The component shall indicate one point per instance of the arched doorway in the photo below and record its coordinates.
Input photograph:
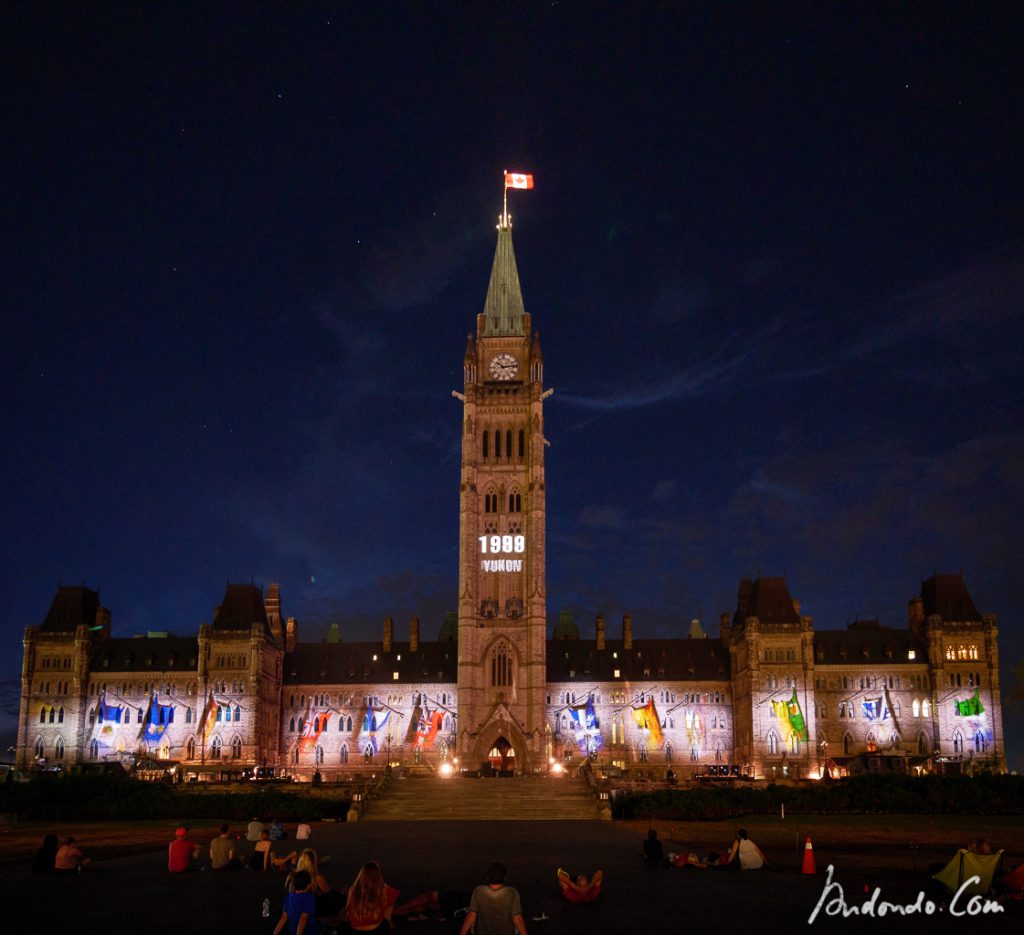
(502, 755)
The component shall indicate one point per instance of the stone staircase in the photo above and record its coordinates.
(456, 798)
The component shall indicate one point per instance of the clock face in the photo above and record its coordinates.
(504, 367)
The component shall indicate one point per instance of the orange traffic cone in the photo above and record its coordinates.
(808, 866)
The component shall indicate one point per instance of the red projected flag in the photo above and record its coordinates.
(518, 180)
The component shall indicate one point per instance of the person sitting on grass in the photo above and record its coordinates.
(654, 853)
(582, 889)
(69, 857)
(299, 912)
(329, 902)
(370, 901)
(263, 857)
(222, 851)
(182, 853)
(442, 903)
(44, 860)
(744, 854)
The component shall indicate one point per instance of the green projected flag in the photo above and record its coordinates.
(796, 717)
(971, 707)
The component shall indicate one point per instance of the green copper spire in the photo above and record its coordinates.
(503, 309)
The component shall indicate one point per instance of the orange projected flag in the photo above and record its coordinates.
(209, 716)
(518, 180)
(312, 730)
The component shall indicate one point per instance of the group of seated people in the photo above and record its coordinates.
(742, 854)
(54, 857)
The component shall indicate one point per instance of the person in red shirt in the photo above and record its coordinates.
(182, 853)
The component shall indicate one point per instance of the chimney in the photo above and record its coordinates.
(627, 631)
(103, 621)
(915, 616)
(599, 623)
(389, 632)
(414, 635)
(272, 604)
(724, 627)
(796, 606)
(291, 635)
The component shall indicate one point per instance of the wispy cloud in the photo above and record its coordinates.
(702, 378)
(953, 311)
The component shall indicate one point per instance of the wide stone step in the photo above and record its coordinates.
(456, 798)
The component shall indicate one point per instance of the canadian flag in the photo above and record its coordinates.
(518, 180)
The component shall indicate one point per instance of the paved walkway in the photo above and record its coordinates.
(136, 894)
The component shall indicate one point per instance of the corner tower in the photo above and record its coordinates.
(502, 610)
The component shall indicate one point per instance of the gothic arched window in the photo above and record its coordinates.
(773, 743)
(215, 748)
(344, 754)
(190, 749)
(38, 747)
(236, 748)
(58, 749)
(958, 742)
(501, 665)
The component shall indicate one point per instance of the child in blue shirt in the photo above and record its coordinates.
(300, 908)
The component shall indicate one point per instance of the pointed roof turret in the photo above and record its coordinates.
(503, 309)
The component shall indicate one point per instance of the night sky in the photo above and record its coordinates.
(774, 256)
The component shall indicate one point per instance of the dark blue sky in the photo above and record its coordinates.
(775, 261)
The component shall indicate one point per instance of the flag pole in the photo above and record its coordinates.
(504, 205)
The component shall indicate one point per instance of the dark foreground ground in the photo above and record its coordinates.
(132, 892)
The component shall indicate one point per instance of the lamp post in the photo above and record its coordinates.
(389, 750)
(11, 751)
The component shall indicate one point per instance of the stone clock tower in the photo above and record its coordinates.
(502, 616)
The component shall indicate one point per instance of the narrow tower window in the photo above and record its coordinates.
(487, 441)
(497, 443)
(508, 444)
(522, 444)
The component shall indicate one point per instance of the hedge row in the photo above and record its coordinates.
(88, 798)
(981, 795)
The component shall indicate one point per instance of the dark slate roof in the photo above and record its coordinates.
(503, 307)
(241, 608)
(677, 660)
(946, 595)
(353, 663)
(146, 654)
(768, 599)
(864, 642)
(71, 607)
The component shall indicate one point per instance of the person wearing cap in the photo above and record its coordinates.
(182, 853)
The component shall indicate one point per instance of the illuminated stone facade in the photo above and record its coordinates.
(770, 696)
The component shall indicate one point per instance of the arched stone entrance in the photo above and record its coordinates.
(501, 742)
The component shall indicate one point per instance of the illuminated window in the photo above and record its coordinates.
(926, 708)
(916, 707)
